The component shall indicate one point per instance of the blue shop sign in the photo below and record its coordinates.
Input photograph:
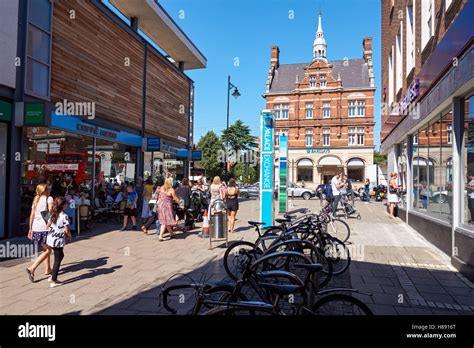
(196, 155)
(153, 144)
(74, 124)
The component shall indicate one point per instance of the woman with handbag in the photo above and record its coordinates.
(392, 193)
(38, 232)
(153, 209)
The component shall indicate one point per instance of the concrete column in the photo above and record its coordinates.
(458, 165)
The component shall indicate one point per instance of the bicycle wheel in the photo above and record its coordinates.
(339, 229)
(340, 304)
(235, 259)
(219, 293)
(338, 253)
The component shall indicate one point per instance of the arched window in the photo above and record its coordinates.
(423, 170)
(356, 169)
(305, 170)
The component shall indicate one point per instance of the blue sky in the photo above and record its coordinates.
(246, 29)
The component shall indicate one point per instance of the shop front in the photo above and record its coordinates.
(74, 153)
(5, 119)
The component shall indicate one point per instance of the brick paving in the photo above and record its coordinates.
(113, 272)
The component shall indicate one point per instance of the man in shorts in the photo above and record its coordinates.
(130, 208)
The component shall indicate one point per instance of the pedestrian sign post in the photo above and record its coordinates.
(266, 168)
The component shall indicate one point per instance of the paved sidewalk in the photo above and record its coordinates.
(122, 272)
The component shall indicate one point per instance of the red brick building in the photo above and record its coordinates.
(327, 110)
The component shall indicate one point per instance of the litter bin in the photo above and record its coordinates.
(218, 222)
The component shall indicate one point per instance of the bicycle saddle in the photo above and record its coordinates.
(281, 289)
(281, 220)
(310, 267)
(289, 217)
(255, 223)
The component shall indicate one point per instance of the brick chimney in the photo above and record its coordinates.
(367, 55)
(274, 64)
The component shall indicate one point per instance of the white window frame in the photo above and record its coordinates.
(280, 110)
(427, 21)
(326, 109)
(449, 134)
(356, 136)
(448, 4)
(361, 136)
(312, 81)
(415, 139)
(322, 81)
(410, 38)
(360, 112)
(309, 137)
(390, 77)
(326, 136)
(309, 111)
(352, 108)
(399, 59)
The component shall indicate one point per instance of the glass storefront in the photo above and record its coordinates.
(3, 175)
(467, 205)
(67, 160)
(432, 168)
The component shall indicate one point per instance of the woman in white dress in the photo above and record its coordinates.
(392, 193)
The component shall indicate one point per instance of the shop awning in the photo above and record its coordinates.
(355, 162)
(329, 161)
(305, 163)
(160, 27)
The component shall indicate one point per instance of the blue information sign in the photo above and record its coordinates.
(153, 144)
(266, 168)
(196, 155)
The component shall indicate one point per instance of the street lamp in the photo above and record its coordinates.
(235, 94)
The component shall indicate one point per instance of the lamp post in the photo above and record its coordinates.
(235, 94)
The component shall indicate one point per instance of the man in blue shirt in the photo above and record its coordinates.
(130, 208)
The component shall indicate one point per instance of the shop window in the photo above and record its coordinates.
(468, 160)
(305, 170)
(356, 170)
(402, 162)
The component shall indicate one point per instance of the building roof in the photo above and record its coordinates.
(155, 22)
(354, 74)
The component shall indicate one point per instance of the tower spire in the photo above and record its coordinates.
(319, 45)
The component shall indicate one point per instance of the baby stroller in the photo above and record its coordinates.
(347, 207)
(185, 216)
(199, 204)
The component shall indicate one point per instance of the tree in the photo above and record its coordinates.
(212, 149)
(379, 158)
(237, 137)
(244, 173)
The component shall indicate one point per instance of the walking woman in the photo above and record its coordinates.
(58, 233)
(393, 193)
(165, 208)
(232, 200)
(38, 231)
(153, 208)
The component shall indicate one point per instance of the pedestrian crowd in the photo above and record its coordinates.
(163, 202)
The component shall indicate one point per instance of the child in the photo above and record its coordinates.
(130, 208)
(58, 226)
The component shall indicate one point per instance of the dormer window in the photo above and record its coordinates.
(312, 81)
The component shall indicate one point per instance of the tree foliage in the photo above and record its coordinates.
(379, 158)
(212, 148)
(237, 137)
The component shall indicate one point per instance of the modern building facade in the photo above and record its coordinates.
(327, 110)
(427, 118)
(90, 91)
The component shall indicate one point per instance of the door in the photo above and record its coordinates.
(3, 176)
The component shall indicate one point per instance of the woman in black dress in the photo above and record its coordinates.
(232, 201)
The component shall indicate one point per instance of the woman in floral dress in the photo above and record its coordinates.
(165, 208)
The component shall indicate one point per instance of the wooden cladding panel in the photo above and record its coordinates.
(167, 104)
(88, 63)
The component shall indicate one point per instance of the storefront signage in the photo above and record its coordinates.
(196, 155)
(74, 124)
(282, 197)
(34, 114)
(318, 151)
(173, 150)
(412, 93)
(5, 111)
(266, 168)
(94, 130)
(151, 144)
